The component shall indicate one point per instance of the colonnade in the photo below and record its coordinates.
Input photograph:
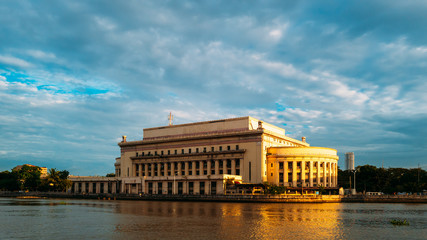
(306, 173)
(95, 187)
(187, 168)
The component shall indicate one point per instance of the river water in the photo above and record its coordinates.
(103, 219)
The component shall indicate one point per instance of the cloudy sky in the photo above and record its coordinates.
(76, 75)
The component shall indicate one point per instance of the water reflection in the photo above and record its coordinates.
(206, 220)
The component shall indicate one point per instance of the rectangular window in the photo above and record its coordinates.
(161, 153)
(176, 152)
(220, 148)
(169, 152)
(202, 187)
(213, 149)
(142, 153)
(182, 151)
(189, 150)
(155, 153)
(228, 148)
(137, 154)
(237, 147)
(280, 165)
(197, 150)
(204, 150)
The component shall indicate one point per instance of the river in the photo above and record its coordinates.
(103, 219)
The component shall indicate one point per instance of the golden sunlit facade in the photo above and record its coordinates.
(302, 166)
(200, 158)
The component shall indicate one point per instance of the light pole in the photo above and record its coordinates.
(354, 181)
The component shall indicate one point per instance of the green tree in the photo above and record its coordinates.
(9, 181)
(28, 177)
(56, 180)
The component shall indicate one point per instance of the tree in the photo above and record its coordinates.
(9, 181)
(56, 180)
(110, 175)
(28, 177)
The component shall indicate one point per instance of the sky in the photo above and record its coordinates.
(77, 75)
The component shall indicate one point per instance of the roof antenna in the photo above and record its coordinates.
(170, 117)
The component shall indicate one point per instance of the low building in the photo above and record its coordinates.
(200, 158)
(43, 170)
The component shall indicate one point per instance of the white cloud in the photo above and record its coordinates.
(14, 61)
(3, 82)
(41, 55)
(105, 23)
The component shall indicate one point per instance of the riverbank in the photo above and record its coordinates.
(230, 198)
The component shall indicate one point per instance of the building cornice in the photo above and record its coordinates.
(162, 157)
(188, 138)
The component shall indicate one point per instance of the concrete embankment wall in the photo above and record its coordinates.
(385, 199)
(230, 198)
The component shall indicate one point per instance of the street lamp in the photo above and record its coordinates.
(354, 181)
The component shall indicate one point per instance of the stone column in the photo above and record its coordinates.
(324, 174)
(172, 169)
(209, 168)
(90, 190)
(233, 166)
(311, 173)
(186, 168)
(201, 168)
(294, 173)
(193, 169)
(336, 174)
(318, 173)
(140, 169)
(146, 169)
(285, 171)
(179, 169)
(216, 167)
(113, 187)
(276, 172)
(303, 173)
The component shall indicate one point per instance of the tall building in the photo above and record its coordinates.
(199, 158)
(349, 161)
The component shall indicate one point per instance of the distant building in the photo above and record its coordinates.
(199, 158)
(349, 161)
(43, 170)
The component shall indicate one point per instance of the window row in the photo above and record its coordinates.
(185, 151)
(190, 168)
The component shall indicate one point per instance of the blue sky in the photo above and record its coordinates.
(76, 75)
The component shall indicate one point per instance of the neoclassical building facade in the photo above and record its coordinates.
(200, 158)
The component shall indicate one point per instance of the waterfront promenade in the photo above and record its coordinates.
(231, 198)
